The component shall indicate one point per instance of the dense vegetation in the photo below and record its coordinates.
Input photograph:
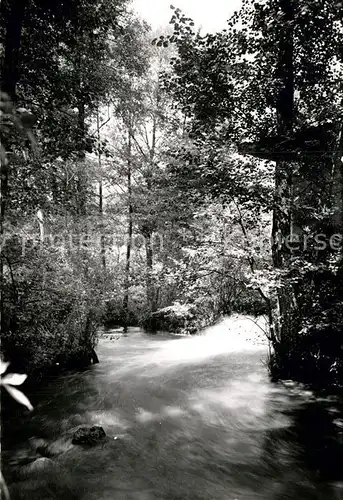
(270, 88)
(166, 179)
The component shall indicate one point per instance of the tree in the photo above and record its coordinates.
(53, 289)
(273, 91)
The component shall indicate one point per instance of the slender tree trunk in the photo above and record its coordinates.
(150, 286)
(81, 179)
(101, 209)
(3, 195)
(81, 132)
(81, 184)
(337, 186)
(129, 230)
(40, 218)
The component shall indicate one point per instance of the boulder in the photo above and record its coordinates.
(89, 435)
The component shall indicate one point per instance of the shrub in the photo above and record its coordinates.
(50, 314)
(180, 318)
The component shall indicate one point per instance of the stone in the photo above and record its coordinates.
(89, 435)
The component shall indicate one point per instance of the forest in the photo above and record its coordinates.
(163, 190)
(167, 179)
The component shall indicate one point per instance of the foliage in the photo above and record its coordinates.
(49, 318)
(181, 318)
(269, 88)
(51, 299)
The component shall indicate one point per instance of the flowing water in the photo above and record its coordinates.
(187, 418)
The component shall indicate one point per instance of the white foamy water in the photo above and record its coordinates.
(234, 334)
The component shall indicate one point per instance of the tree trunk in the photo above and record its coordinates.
(3, 195)
(10, 70)
(81, 184)
(150, 288)
(282, 216)
(101, 209)
(337, 186)
(129, 231)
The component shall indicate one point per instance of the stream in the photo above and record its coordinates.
(186, 418)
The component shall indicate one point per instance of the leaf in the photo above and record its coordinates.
(3, 366)
(14, 379)
(3, 488)
(19, 397)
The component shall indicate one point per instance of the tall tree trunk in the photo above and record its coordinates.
(81, 183)
(150, 287)
(282, 216)
(337, 185)
(3, 195)
(81, 179)
(101, 208)
(10, 70)
(129, 230)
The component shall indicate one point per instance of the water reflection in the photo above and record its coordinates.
(205, 424)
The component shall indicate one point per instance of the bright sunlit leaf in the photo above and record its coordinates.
(3, 367)
(14, 379)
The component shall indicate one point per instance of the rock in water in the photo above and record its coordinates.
(89, 435)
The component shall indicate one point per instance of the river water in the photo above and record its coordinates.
(187, 418)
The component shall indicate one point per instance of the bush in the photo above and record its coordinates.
(115, 316)
(250, 302)
(50, 314)
(180, 318)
